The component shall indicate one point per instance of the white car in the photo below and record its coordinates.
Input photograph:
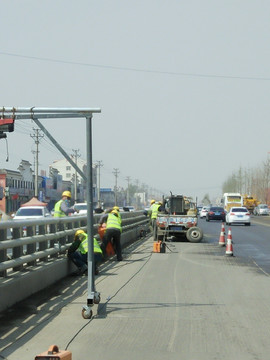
(238, 215)
(261, 209)
(81, 207)
(31, 212)
(204, 211)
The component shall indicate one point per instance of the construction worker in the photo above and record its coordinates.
(62, 207)
(113, 233)
(78, 252)
(154, 212)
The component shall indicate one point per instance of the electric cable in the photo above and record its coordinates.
(131, 69)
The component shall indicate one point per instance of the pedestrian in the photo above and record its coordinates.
(62, 207)
(78, 252)
(113, 233)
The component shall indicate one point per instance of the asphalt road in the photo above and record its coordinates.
(192, 302)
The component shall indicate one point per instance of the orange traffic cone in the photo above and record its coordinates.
(229, 247)
(223, 228)
(222, 236)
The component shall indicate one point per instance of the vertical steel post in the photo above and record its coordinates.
(90, 217)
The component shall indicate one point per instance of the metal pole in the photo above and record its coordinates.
(90, 218)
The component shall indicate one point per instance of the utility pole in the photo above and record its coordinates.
(75, 156)
(115, 173)
(36, 136)
(128, 181)
(99, 164)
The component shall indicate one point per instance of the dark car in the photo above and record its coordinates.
(216, 213)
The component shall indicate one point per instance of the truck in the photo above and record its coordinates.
(250, 202)
(177, 217)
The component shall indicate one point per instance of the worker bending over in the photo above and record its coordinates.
(113, 233)
(78, 252)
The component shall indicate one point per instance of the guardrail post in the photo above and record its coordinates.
(18, 250)
(31, 248)
(43, 245)
(53, 243)
(3, 253)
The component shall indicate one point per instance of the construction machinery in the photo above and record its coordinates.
(177, 217)
(250, 202)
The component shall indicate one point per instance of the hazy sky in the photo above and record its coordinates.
(183, 86)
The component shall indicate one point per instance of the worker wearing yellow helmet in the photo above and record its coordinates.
(78, 252)
(113, 233)
(62, 207)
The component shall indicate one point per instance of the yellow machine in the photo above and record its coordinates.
(250, 202)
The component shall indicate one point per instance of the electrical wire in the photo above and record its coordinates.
(123, 68)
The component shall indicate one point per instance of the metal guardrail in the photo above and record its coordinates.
(26, 243)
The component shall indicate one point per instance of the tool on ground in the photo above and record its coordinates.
(54, 353)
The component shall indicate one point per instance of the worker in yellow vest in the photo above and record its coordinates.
(113, 233)
(78, 252)
(62, 207)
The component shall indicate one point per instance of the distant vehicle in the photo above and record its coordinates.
(81, 207)
(238, 215)
(204, 211)
(261, 209)
(232, 199)
(31, 212)
(199, 208)
(215, 213)
(129, 208)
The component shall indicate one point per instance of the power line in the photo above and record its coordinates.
(123, 68)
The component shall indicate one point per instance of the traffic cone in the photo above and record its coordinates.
(229, 247)
(223, 228)
(222, 236)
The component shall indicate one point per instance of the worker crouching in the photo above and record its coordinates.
(78, 252)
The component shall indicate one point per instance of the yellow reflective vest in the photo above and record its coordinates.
(57, 209)
(114, 222)
(83, 248)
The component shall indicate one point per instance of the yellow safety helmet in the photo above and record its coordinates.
(152, 202)
(67, 193)
(116, 208)
(78, 232)
(114, 212)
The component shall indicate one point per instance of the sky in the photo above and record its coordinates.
(183, 86)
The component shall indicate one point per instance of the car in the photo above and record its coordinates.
(261, 209)
(238, 215)
(204, 211)
(199, 208)
(81, 208)
(129, 208)
(29, 213)
(215, 213)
